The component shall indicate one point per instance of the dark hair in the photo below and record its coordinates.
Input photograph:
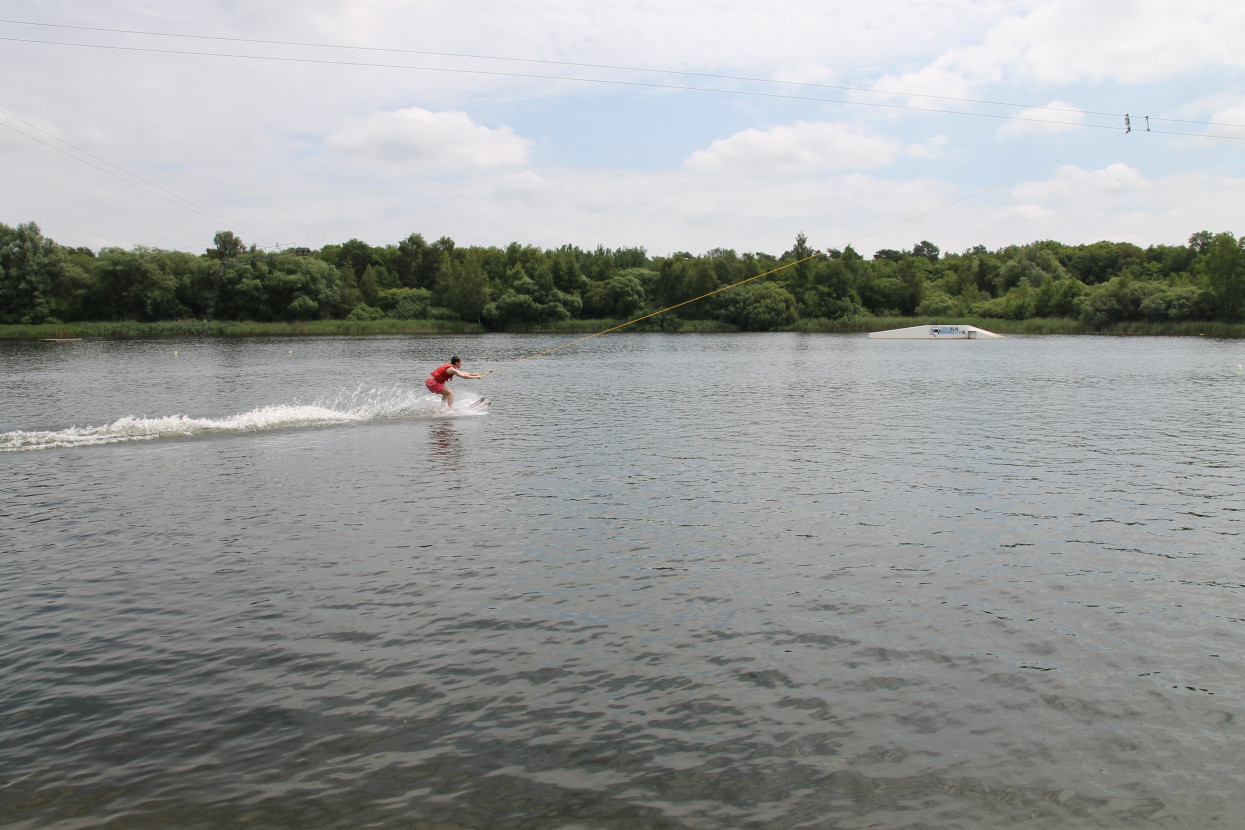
(456, 360)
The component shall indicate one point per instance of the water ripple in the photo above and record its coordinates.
(800, 582)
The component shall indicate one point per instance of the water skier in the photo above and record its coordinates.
(443, 374)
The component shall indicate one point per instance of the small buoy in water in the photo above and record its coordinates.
(175, 353)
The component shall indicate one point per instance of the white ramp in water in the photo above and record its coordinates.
(936, 332)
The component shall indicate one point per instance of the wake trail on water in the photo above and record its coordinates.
(356, 407)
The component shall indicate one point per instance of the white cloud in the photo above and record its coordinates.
(522, 184)
(1229, 121)
(674, 210)
(1115, 203)
(934, 148)
(1133, 41)
(1074, 41)
(1066, 41)
(285, 147)
(945, 84)
(429, 139)
(804, 147)
(1115, 185)
(1030, 215)
(1055, 117)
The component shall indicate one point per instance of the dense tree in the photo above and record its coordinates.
(926, 249)
(225, 246)
(1058, 298)
(300, 288)
(1171, 259)
(700, 279)
(626, 258)
(132, 285)
(801, 278)
(37, 280)
(912, 271)
(463, 287)
(564, 269)
(1223, 266)
(415, 263)
(405, 303)
(620, 296)
(1099, 262)
(522, 304)
(370, 283)
(1175, 304)
(522, 285)
(531, 300)
(357, 255)
(349, 297)
(760, 306)
(1034, 264)
(1117, 300)
(940, 304)
(670, 287)
(1199, 242)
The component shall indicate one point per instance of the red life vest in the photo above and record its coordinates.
(441, 374)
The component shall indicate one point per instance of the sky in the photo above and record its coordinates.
(671, 125)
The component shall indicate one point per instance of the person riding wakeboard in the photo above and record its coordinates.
(443, 374)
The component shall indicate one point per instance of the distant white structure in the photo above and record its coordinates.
(936, 332)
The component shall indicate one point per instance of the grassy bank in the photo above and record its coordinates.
(198, 328)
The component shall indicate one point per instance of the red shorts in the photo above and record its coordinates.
(435, 387)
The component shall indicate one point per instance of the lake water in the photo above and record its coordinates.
(699, 581)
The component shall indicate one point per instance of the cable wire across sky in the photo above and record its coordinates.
(1116, 119)
(173, 52)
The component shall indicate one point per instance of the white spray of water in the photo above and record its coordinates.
(360, 406)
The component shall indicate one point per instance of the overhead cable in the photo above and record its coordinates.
(636, 83)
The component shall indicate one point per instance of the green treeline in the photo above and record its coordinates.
(1100, 285)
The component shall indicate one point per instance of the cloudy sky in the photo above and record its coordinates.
(675, 125)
